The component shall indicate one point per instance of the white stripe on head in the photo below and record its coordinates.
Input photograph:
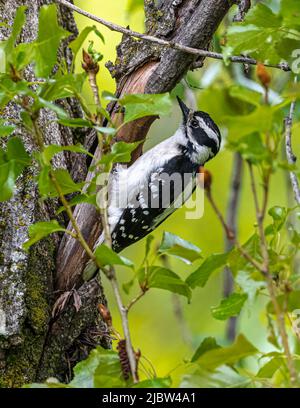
(208, 130)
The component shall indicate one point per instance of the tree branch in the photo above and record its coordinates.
(169, 44)
(289, 150)
(231, 220)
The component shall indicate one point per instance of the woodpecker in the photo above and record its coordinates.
(143, 195)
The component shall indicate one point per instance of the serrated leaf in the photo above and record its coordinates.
(230, 306)
(106, 256)
(240, 349)
(41, 230)
(175, 246)
(201, 275)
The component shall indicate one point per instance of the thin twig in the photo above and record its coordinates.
(135, 300)
(269, 279)
(231, 220)
(165, 43)
(230, 234)
(289, 150)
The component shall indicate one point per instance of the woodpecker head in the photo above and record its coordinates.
(203, 138)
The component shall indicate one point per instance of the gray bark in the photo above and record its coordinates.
(28, 349)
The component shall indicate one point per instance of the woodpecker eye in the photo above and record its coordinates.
(194, 123)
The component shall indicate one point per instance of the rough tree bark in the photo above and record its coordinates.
(32, 347)
(26, 279)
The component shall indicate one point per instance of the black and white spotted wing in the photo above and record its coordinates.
(156, 200)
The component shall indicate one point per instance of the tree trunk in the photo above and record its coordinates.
(27, 351)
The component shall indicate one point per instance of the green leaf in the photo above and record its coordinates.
(41, 230)
(223, 377)
(6, 130)
(101, 369)
(7, 180)
(250, 147)
(230, 306)
(240, 349)
(120, 153)
(289, 303)
(249, 286)
(245, 94)
(260, 120)
(18, 24)
(16, 152)
(9, 89)
(270, 368)
(79, 199)
(63, 178)
(106, 130)
(201, 275)
(279, 215)
(76, 44)
(48, 40)
(106, 256)
(63, 86)
(53, 149)
(209, 343)
(262, 16)
(155, 382)
(175, 246)
(75, 122)
(42, 103)
(163, 278)
(140, 105)
(12, 163)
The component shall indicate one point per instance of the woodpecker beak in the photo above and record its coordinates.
(185, 110)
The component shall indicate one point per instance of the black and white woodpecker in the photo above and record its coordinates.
(143, 195)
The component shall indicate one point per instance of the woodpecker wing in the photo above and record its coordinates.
(166, 188)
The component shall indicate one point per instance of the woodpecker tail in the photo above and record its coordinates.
(91, 269)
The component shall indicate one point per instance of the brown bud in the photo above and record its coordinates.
(88, 63)
(105, 314)
(263, 75)
(205, 176)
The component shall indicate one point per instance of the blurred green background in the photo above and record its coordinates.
(155, 329)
